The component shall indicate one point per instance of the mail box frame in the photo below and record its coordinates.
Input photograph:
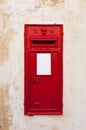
(46, 34)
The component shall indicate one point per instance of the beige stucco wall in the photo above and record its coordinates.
(13, 15)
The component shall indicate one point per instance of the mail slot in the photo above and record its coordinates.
(43, 79)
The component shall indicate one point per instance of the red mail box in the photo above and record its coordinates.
(43, 69)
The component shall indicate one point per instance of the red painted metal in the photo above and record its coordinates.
(43, 94)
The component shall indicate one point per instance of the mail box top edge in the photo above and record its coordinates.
(29, 25)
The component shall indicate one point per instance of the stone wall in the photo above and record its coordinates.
(13, 15)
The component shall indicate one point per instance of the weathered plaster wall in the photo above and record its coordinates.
(13, 15)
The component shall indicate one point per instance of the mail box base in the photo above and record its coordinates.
(43, 113)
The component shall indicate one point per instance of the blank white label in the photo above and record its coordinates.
(43, 64)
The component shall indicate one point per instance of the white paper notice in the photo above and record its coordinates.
(43, 64)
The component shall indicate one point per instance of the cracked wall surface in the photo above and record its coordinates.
(13, 15)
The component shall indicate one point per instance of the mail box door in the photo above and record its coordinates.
(45, 90)
(43, 66)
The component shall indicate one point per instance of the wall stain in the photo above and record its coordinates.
(6, 34)
(50, 3)
(8, 114)
(54, 128)
(5, 19)
(54, 2)
(1, 1)
(4, 46)
(43, 1)
(5, 113)
(2, 107)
